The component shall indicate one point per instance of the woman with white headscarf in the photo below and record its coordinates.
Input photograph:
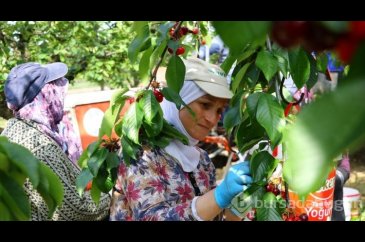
(178, 182)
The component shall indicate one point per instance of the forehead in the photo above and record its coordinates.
(217, 100)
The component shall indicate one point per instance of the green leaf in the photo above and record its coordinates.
(299, 66)
(357, 70)
(132, 121)
(247, 53)
(336, 26)
(228, 62)
(95, 194)
(172, 96)
(103, 181)
(270, 115)
(129, 148)
(50, 188)
(239, 77)
(231, 118)
(95, 161)
(164, 29)
(270, 209)
(4, 211)
(313, 75)
(251, 77)
(139, 26)
(252, 103)
(157, 53)
(173, 133)
(144, 64)
(282, 59)
(82, 180)
(154, 127)
(267, 63)
(91, 148)
(248, 134)
(112, 113)
(13, 195)
(262, 165)
(161, 141)
(4, 162)
(322, 62)
(322, 131)
(112, 160)
(22, 158)
(139, 42)
(149, 105)
(245, 201)
(83, 159)
(175, 73)
(238, 34)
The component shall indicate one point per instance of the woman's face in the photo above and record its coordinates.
(208, 110)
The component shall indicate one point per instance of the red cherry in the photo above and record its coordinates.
(89, 185)
(303, 217)
(184, 30)
(276, 191)
(345, 48)
(158, 95)
(290, 219)
(357, 29)
(195, 31)
(170, 50)
(180, 51)
(171, 32)
(319, 38)
(283, 194)
(203, 42)
(288, 33)
(269, 187)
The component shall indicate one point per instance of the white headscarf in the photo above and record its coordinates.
(187, 155)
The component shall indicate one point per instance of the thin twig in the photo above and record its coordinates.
(154, 73)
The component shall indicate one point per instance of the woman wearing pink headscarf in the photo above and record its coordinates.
(36, 95)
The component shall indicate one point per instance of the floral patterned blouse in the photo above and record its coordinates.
(157, 188)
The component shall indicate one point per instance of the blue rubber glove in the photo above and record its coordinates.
(236, 181)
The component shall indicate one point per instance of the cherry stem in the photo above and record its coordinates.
(153, 77)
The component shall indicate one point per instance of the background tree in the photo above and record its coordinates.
(95, 51)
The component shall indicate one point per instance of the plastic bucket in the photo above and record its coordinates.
(318, 205)
(351, 203)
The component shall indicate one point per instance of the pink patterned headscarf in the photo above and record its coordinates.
(46, 110)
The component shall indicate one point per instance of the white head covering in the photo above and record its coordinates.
(187, 155)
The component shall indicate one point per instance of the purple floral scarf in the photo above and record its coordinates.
(46, 110)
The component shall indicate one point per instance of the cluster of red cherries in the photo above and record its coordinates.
(176, 35)
(315, 36)
(290, 216)
(156, 91)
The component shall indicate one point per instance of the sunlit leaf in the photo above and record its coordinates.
(175, 73)
(321, 132)
(299, 66)
(14, 197)
(269, 210)
(267, 63)
(132, 121)
(244, 32)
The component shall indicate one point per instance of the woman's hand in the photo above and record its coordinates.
(236, 181)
